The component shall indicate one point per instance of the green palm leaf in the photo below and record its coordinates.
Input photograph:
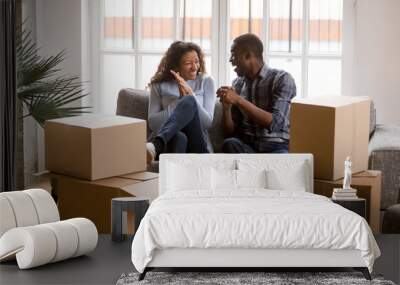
(44, 92)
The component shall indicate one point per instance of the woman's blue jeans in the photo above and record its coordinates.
(182, 132)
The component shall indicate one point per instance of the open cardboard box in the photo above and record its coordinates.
(92, 199)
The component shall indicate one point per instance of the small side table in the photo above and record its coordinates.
(136, 205)
(357, 205)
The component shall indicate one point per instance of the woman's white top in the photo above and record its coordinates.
(164, 97)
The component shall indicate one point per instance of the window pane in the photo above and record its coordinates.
(232, 74)
(148, 69)
(325, 28)
(208, 65)
(285, 25)
(197, 22)
(245, 17)
(118, 73)
(157, 23)
(118, 24)
(291, 65)
(256, 17)
(324, 77)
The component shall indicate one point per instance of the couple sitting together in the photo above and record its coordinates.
(255, 108)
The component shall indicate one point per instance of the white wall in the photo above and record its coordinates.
(376, 70)
(58, 28)
(58, 25)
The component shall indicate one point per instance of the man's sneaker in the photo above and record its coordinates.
(151, 152)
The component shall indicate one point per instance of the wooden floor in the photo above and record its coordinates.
(111, 259)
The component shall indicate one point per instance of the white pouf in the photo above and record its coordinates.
(31, 232)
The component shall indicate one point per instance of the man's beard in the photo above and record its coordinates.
(239, 72)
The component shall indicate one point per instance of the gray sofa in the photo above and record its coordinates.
(384, 155)
(384, 146)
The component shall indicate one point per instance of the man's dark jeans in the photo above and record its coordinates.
(182, 132)
(235, 145)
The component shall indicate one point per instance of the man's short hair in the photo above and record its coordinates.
(249, 43)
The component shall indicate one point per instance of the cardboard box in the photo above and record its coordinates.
(368, 185)
(95, 146)
(331, 128)
(92, 199)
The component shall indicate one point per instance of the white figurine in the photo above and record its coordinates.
(347, 174)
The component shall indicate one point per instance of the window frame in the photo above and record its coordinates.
(220, 44)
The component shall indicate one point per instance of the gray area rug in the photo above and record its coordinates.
(229, 278)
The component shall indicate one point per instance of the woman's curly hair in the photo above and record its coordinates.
(172, 58)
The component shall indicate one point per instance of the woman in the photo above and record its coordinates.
(182, 101)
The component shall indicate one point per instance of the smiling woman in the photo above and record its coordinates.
(181, 105)
(184, 57)
(189, 64)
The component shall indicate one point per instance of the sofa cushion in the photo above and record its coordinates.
(384, 155)
(216, 131)
(133, 103)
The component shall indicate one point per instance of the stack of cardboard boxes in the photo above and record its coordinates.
(94, 158)
(333, 128)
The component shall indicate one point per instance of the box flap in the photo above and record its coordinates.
(367, 173)
(142, 176)
(144, 189)
(358, 176)
(113, 182)
(117, 182)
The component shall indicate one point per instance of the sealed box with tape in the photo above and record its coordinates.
(331, 128)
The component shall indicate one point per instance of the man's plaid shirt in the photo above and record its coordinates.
(271, 91)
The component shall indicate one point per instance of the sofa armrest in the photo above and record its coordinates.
(133, 103)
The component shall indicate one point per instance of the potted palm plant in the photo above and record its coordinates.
(44, 92)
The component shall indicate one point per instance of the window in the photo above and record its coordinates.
(303, 37)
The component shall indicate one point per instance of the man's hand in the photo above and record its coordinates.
(228, 96)
(184, 88)
(226, 106)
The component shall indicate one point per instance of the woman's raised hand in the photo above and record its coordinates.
(184, 88)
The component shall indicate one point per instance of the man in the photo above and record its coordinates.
(256, 108)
